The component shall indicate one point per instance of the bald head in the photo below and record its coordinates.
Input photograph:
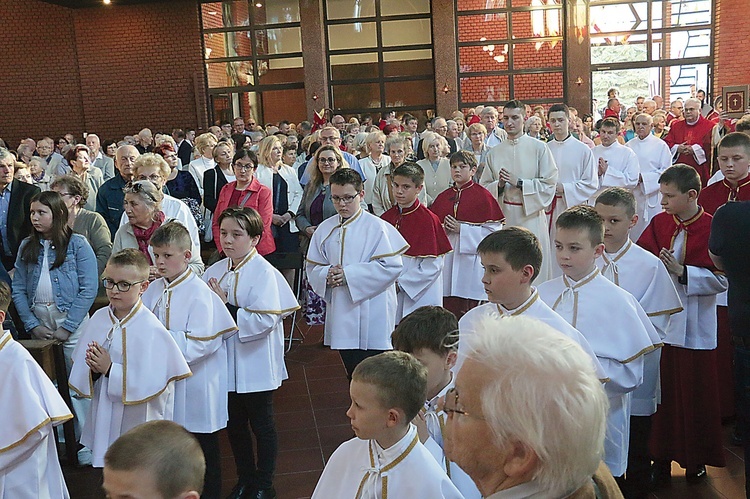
(146, 137)
(125, 161)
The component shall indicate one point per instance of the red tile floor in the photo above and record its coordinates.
(311, 422)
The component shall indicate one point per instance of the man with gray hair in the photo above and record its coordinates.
(527, 416)
(15, 205)
(146, 139)
(689, 140)
(110, 197)
(495, 134)
(99, 160)
(46, 150)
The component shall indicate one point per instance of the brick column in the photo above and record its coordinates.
(444, 56)
(314, 49)
(578, 56)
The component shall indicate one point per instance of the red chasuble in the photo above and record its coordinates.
(471, 203)
(699, 133)
(664, 228)
(717, 195)
(421, 229)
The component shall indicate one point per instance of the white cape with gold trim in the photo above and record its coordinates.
(29, 407)
(145, 362)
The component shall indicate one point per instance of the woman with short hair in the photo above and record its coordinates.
(79, 159)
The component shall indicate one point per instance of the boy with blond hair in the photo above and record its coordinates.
(386, 459)
(126, 361)
(430, 334)
(609, 317)
(198, 322)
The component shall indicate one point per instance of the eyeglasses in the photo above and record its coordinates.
(343, 199)
(327, 160)
(244, 168)
(122, 286)
(450, 405)
(66, 194)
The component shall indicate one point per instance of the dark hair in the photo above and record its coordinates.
(4, 296)
(172, 233)
(346, 176)
(556, 108)
(736, 139)
(743, 124)
(72, 153)
(400, 379)
(514, 104)
(684, 177)
(583, 217)
(106, 144)
(247, 218)
(239, 140)
(467, 157)
(74, 186)
(432, 328)
(244, 153)
(178, 133)
(60, 232)
(518, 245)
(617, 196)
(410, 170)
(610, 123)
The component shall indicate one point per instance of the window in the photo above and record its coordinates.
(253, 55)
(650, 47)
(380, 56)
(510, 49)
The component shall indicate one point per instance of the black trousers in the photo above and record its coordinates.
(212, 478)
(351, 358)
(253, 411)
(639, 459)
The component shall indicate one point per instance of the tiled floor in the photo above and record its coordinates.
(311, 421)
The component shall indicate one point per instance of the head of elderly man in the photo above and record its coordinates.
(146, 137)
(527, 411)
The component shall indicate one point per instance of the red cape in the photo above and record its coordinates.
(664, 228)
(699, 133)
(421, 229)
(717, 195)
(471, 203)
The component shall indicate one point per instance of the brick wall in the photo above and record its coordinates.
(40, 90)
(140, 66)
(732, 26)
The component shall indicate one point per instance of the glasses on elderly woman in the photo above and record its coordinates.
(138, 188)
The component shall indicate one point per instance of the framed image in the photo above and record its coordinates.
(735, 100)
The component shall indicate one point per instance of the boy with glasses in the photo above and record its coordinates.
(353, 262)
(125, 361)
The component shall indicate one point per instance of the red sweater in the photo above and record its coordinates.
(256, 196)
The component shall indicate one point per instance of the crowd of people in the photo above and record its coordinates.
(428, 242)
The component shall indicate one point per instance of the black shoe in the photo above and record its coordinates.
(696, 476)
(661, 474)
(240, 491)
(269, 493)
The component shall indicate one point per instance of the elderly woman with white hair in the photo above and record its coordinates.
(437, 168)
(374, 161)
(527, 415)
(533, 127)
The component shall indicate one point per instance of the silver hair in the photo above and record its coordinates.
(488, 110)
(542, 391)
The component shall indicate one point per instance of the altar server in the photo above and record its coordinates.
(617, 165)
(126, 361)
(421, 280)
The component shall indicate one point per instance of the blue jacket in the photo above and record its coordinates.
(74, 283)
(109, 202)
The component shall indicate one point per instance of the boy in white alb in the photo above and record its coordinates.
(353, 262)
(30, 407)
(421, 280)
(386, 458)
(643, 275)
(199, 322)
(430, 334)
(578, 179)
(511, 259)
(617, 165)
(609, 317)
(259, 298)
(125, 360)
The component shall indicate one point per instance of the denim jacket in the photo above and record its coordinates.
(74, 283)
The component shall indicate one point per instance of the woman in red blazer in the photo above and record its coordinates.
(246, 191)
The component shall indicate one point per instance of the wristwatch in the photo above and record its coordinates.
(519, 184)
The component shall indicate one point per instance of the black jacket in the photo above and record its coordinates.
(19, 223)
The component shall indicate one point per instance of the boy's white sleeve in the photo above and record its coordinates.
(420, 275)
(623, 378)
(368, 279)
(702, 281)
(471, 235)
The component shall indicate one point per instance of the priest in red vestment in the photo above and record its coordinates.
(690, 140)
(687, 425)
